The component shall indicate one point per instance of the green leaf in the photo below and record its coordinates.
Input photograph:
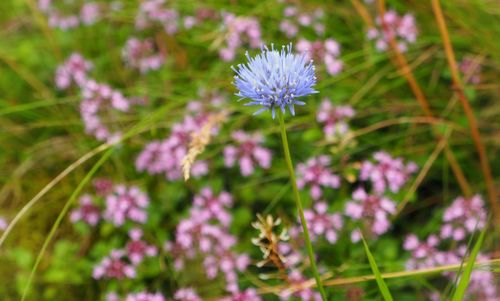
(378, 277)
(464, 280)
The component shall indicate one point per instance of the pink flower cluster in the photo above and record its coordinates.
(165, 156)
(205, 233)
(89, 13)
(88, 212)
(248, 152)
(186, 294)
(126, 203)
(296, 278)
(137, 248)
(460, 219)
(316, 174)
(323, 223)
(334, 119)
(463, 217)
(154, 12)
(400, 28)
(387, 172)
(372, 210)
(293, 20)
(202, 15)
(99, 99)
(73, 70)
(326, 52)
(114, 266)
(139, 296)
(470, 69)
(249, 294)
(3, 224)
(239, 30)
(142, 55)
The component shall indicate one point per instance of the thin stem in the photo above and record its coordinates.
(298, 202)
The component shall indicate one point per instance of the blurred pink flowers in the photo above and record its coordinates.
(186, 294)
(463, 217)
(334, 119)
(316, 174)
(371, 210)
(137, 249)
(142, 55)
(88, 212)
(154, 12)
(72, 71)
(248, 152)
(126, 203)
(401, 28)
(114, 266)
(293, 20)
(387, 172)
(322, 223)
(238, 31)
(326, 52)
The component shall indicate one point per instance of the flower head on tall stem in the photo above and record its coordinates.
(275, 79)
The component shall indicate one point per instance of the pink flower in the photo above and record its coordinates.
(316, 174)
(144, 296)
(248, 153)
(99, 99)
(387, 171)
(334, 119)
(372, 210)
(305, 294)
(90, 13)
(293, 20)
(471, 70)
(239, 31)
(326, 52)
(142, 55)
(154, 12)
(114, 266)
(463, 217)
(400, 28)
(186, 294)
(88, 212)
(249, 294)
(73, 71)
(126, 203)
(322, 223)
(137, 249)
(3, 224)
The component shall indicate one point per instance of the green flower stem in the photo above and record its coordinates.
(298, 202)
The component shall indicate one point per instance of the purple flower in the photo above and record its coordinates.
(372, 210)
(88, 212)
(322, 223)
(326, 52)
(73, 71)
(292, 20)
(463, 217)
(470, 69)
(114, 266)
(90, 13)
(126, 203)
(186, 294)
(99, 99)
(334, 119)
(239, 29)
(249, 294)
(316, 174)
(154, 12)
(137, 249)
(387, 172)
(3, 224)
(142, 55)
(275, 79)
(400, 28)
(248, 153)
(144, 296)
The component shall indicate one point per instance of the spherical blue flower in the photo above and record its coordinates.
(275, 79)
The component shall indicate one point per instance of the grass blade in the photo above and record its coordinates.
(464, 280)
(378, 277)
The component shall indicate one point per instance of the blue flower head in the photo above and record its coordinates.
(275, 79)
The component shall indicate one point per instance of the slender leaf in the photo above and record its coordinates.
(378, 277)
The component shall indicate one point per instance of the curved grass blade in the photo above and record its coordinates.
(378, 277)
